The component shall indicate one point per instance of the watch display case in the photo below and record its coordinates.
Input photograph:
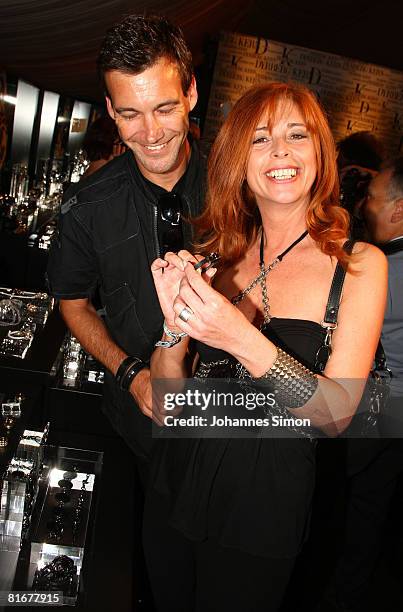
(19, 489)
(46, 505)
(65, 501)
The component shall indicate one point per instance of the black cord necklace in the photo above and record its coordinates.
(264, 272)
(287, 250)
(261, 278)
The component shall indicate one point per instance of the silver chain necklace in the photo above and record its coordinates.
(261, 277)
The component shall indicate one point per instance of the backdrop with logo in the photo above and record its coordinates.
(356, 95)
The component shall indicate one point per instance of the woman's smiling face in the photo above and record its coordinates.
(282, 164)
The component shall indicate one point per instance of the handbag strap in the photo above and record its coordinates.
(333, 302)
(380, 357)
(330, 319)
(329, 322)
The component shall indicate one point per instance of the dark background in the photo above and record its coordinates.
(53, 43)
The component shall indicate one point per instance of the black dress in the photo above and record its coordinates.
(249, 494)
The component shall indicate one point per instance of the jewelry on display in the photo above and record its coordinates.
(61, 518)
(12, 407)
(20, 469)
(70, 475)
(16, 307)
(293, 383)
(65, 483)
(176, 338)
(8, 423)
(78, 512)
(19, 334)
(56, 524)
(10, 312)
(21, 294)
(32, 440)
(58, 575)
(185, 314)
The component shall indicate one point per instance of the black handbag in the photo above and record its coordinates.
(364, 423)
(376, 394)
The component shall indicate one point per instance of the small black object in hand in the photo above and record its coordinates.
(208, 262)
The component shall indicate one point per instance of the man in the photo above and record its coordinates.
(116, 222)
(359, 158)
(383, 211)
(374, 466)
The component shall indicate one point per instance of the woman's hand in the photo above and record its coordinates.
(213, 320)
(167, 274)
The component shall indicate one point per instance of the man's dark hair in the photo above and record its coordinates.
(395, 187)
(360, 149)
(138, 42)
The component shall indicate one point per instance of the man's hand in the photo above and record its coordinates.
(142, 392)
(150, 404)
(167, 274)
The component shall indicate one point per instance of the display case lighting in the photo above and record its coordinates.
(9, 99)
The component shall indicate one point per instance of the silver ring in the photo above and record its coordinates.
(185, 314)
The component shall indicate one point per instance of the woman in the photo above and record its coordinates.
(101, 144)
(226, 518)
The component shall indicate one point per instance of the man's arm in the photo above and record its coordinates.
(89, 329)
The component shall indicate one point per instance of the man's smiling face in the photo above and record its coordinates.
(151, 114)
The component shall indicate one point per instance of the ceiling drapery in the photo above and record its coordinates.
(54, 43)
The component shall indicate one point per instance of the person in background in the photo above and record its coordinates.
(359, 150)
(117, 221)
(383, 213)
(101, 144)
(359, 158)
(374, 466)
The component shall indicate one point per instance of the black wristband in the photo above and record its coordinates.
(131, 372)
(122, 369)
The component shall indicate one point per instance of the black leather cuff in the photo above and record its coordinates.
(122, 369)
(131, 372)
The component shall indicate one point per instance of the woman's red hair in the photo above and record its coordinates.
(231, 220)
